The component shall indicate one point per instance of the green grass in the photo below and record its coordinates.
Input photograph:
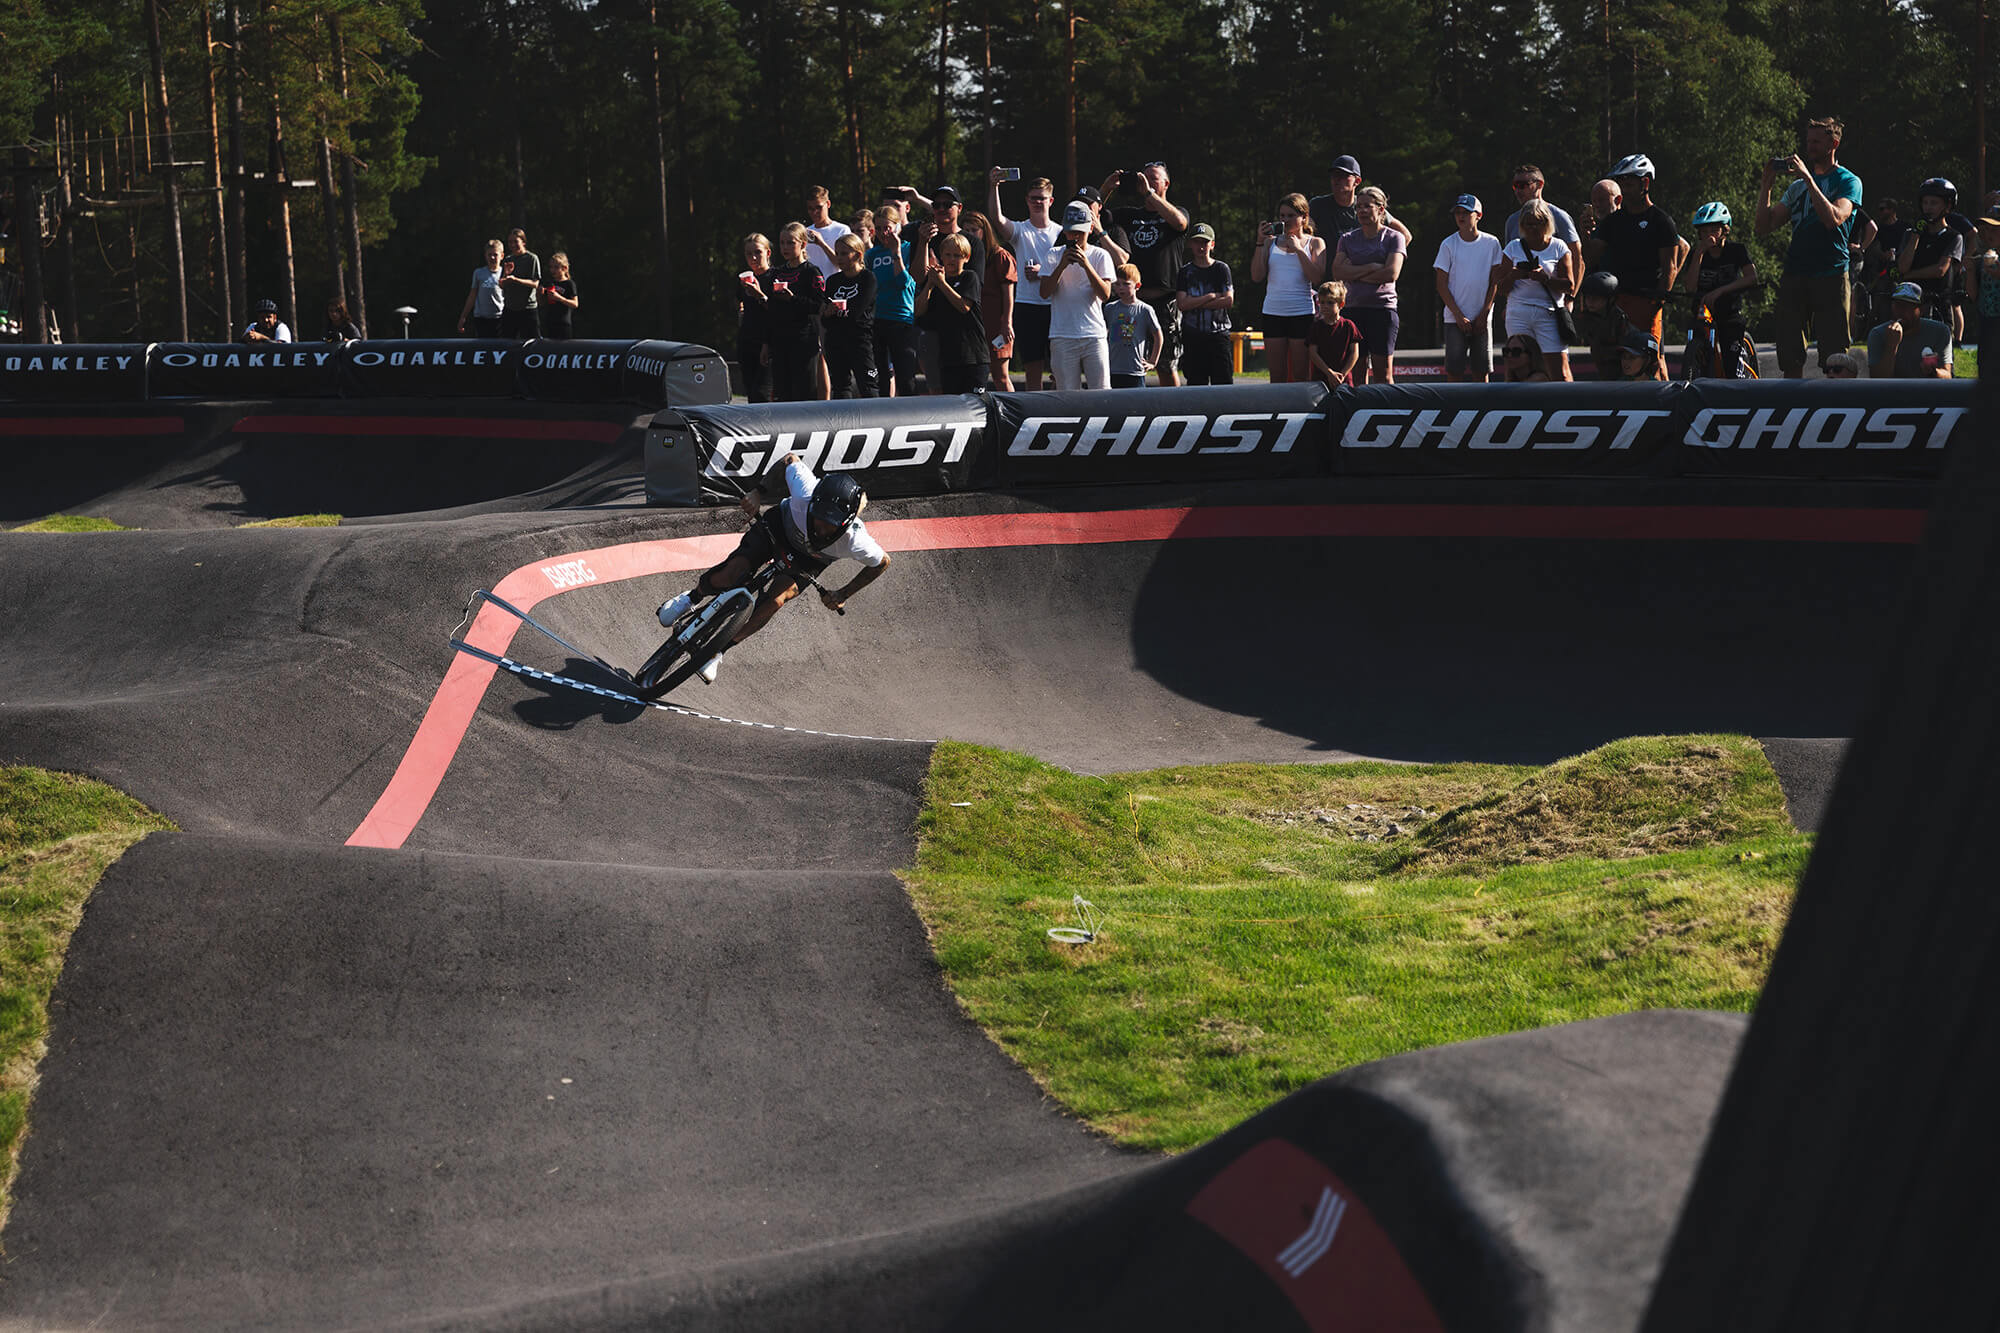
(71, 523)
(296, 521)
(1255, 939)
(58, 833)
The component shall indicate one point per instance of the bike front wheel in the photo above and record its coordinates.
(674, 661)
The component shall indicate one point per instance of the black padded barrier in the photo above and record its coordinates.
(220, 372)
(896, 446)
(1208, 433)
(79, 373)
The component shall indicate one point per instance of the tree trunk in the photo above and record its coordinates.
(176, 258)
(350, 200)
(281, 218)
(217, 220)
(855, 159)
(239, 283)
(66, 182)
(336, 264)
(28, 240)
(944, 34)
(666, 274)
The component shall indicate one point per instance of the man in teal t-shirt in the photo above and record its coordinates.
(1820, 204)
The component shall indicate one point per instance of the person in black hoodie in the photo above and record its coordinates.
(948, 305)
(850, 322)
(753, 341)
(798, 294)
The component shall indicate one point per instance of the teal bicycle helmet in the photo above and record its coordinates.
(1715, 212)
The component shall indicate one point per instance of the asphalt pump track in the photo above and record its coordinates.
(467, 998)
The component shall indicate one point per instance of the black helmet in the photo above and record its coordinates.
(1943, 189)
(837, 500)
(1600, 282)
(267, 307)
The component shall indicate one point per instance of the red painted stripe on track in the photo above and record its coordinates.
(92, 426)
(424, 764)
(483, 428)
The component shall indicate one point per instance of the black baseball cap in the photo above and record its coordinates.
(944, 194)
(1344, 165)
(1089, 194)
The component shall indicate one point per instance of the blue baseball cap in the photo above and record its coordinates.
(1468, 202)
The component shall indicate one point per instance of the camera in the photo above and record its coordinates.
(1128, 180)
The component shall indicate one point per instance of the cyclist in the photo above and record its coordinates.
(1717, 281)
(816, 522)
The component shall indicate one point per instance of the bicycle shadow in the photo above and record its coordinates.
(560, 707)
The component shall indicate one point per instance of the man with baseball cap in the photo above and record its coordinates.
(1076, 290)
(1467, 269)
(1333, 214)
(1906, 346)
(1204, 292)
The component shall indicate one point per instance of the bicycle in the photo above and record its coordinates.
(707, 629)
(1705, 357)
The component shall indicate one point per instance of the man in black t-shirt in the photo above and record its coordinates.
(520, 288)
(1155, 229)
(1640, 245)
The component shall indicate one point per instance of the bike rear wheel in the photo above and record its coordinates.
(674, 661)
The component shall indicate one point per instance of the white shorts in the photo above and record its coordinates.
(1535, 320)
(1073, 361)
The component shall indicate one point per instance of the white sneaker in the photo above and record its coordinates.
(674, 608)
(709, 668)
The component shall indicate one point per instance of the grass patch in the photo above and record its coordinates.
(58, 834)
(71, 523)
(296, 521)
(1265, 925)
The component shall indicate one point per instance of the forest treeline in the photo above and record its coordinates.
(303, 150)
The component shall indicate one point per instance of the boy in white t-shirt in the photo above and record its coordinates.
(822, 232)
(1034, 241)
(1466, 288)
(1076, 290)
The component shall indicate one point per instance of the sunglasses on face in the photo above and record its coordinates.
(1515, 351)
(1526, 185)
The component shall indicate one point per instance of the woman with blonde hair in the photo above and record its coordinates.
(1288, 260)
(1369, 259)
(484, 302)
(1535, 273)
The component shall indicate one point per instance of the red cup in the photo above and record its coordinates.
(840, 304)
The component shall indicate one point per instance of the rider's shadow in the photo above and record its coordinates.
(560, 708)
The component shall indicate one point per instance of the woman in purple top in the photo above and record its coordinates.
(1369, 259)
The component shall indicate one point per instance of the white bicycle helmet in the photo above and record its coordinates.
(1715, 212)
(1638, 164)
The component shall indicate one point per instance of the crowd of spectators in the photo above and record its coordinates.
(1118, 282)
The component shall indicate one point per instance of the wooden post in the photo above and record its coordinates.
(350, 201)
(666, 257)
(239, 282)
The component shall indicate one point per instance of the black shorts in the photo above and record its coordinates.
(1031, 332)
(1287, 326)
(766, 538)
(1167, 310)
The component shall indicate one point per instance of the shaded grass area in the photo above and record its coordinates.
(71, 523)
(1264, 926)
(58, 834)
(296, 521)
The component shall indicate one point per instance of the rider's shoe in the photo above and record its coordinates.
(709, 668)
(674, 608)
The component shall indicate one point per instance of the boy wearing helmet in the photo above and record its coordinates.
(817, 520)
(1814, 288)
(1600, 323)
(1723, 271)
(1934, 248)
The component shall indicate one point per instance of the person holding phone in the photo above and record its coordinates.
(1076, 291)
(1289, 261)
(1034, 242)
(1537, 271)
(1813, 289)
(1157, 229)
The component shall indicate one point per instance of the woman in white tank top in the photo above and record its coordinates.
(1288, 260)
